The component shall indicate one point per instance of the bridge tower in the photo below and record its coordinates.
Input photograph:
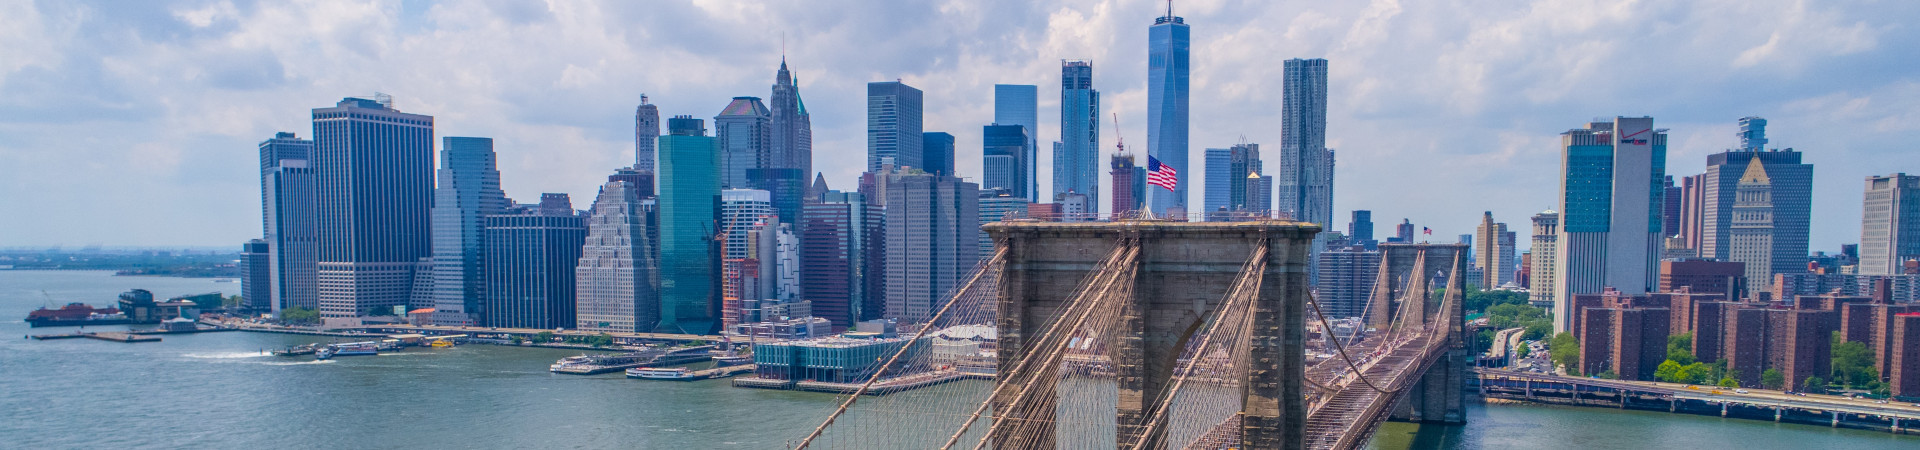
(1181, 275)
(1438, 397)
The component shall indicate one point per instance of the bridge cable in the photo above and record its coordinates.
(1357, 372)
(1250, 274)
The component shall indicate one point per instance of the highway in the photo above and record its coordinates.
(1760, 397)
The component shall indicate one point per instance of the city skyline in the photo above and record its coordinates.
(571, 126)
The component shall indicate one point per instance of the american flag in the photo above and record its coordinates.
(1161, 175)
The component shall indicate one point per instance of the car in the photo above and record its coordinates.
(1882, 402)
(1741, 391)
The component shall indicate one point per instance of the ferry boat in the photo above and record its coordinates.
(570, 361)
(666, 373)
(733, 360)
(76, 314)
(354, 349)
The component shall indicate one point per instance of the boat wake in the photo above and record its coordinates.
(225, 355)
(301, 363)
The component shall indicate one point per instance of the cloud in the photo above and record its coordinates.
(1439, 109)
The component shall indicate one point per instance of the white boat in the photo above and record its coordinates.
(669, 373)
(569, 361)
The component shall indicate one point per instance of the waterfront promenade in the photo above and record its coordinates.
(1832, 410)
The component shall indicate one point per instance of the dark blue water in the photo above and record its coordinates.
(215, 390)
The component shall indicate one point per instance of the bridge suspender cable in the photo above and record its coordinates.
(1357, 373)
(1249, 274)
(998, 258)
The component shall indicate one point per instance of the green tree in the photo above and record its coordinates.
(298, 315)
(1729, 382)
(232, 301)
(1666, 372)
(1608, 374)
(543, 337)
(1521, 352)
(1680, 348)
(1773, 379)
(1566, 351)
(1853, 365)
(1815, 385)
(601, 340)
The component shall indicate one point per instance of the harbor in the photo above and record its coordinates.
(609, 363)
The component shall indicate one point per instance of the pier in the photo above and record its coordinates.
(1755, 404)
(884, 387)
(111, 336)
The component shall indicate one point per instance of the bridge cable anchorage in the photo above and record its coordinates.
(1245, 286)
(999, 257)
(1053, 342)
(1078, 306)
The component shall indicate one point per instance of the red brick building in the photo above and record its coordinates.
(1903, 369)
(1703, 276)
(1630, 341)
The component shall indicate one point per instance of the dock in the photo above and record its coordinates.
(717, 372)
(883, 387)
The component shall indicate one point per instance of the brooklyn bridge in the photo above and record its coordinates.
(1152, 334)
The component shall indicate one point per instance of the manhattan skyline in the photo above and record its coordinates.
(137, 137)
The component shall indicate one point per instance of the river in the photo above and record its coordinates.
(216, 390)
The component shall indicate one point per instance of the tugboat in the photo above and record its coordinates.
(672, 373)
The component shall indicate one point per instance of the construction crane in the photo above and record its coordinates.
(1119, 142)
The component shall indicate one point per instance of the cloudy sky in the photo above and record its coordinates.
(137, 123)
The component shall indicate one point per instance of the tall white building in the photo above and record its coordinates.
(1493, 248)
(1751, 234)
(1546, 238)
(1610, 201)
(1889, 224)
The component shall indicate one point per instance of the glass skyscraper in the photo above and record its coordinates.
(531, 260)
(1076, 158)
(1233, 183)
(1610, 205)
(689, 197)
(469, 190)
(893, 125)
(745, 131)
(932, 241)
(291, 232)
(1305, 175)
(1005, 160)
(938, 148)
(1018, 104)
(1168, 45)
(374, 170)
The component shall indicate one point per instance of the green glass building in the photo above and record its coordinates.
(689, 198)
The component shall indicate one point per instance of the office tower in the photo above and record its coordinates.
(616, 280)
(374, 171)
(287, 203)
(1228, 186)
(1752, 232)
(832, 248)
(1889, 224)
(1791, 185)
(893, 125)
(1168, 44)
(1692, 231)
(937, 148)
(1609, 210)
(1545, 248)
(817, 191)
(1004, 163)
(745, 132)
(256, 275)
(1494, 254)
(1076, 158)
(1129, 185)
(742, 210)
(1259, 194)
(1670, 209)
(792, 125)
(1404, 231)
(933, 240)
(997, 205)
(748, 220)
(689, 197)
(468, 192)
(646, 135)
(1360, 229)
(1017, 104)
(1347, 275)
(532, 265)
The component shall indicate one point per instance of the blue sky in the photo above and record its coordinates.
(136, 123)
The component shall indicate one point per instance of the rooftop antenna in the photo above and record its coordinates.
(1169, 8)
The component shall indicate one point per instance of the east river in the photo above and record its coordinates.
(217, 390)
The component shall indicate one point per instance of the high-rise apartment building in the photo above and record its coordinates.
(532, 262)
(689, 197)
(894, 125)
(932, 241)
(1076, 160)
(291, 230)
(374, 175)
(937, 148)
(1692, 232)
(1889, 224)
(616, 280)
(1305, 176)
(1347, 275)
(1005, 161)
(1609, 210)
(646, 135)
(1169, 42)
(1229, 191)
(1790, 192)
(468, 191)
(1494, 252)
(1129, 185)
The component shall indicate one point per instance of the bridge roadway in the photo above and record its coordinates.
(1754, 397)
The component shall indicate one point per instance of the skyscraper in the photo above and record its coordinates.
(1305, 177)
(792, 126)
(833, 250)
(1494, 252)
(1018, 104)
(1076, 161)
(1168, 44)
(1609, 211)
(256, 275)
(1546, 238)
(747, 219)
(616, 279)
(937, 148)
(1791, 186)
(1347, 275)
(646, 135)
(1004, 163)
(532, 262)
(468, 191)
(893, 125)
(1360, 228)
(689, 196)
(374, 170)
(1751, 233)
(1129, 185)
(1889, 224)
(932, 236)
(1228, 187)
(745, 132)
(997, 205)
(288, 209)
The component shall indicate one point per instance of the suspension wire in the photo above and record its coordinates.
(1250, 273)
(998, 258)
(1357, 373)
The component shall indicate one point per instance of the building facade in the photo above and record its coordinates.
(374, 186)
(1546, 235)
(832, 249)
(1076, 161)
(1006, 161)
(937, 148)
(1609, 210)
(689, 200)
(468, 191)
(1018, 104)
(646, 135)
(1129, 184)
(617, 277)
(256, 275)
(291, 229)
(1347, 276)
(1494, 252)
(1889, 224)
(932, 241)
(1169, 42)
(532, 263)
(1753, 228)
(1727, 189)
(894, 125)
(1234, 184)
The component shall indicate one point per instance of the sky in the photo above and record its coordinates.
(138, 123)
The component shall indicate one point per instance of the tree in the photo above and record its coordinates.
(1680, 348)
(1773, 379)
(1521, 352)
(543, 337)
(1666, 372)
(1566, 351)
(231, 302)
(1814, 385)
(1608, 374)
(1729, 382)
(299, 315)
(1853, 365)
(601, 340)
